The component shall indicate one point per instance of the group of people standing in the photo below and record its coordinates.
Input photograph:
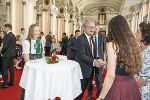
(124, 60)
(126, 55)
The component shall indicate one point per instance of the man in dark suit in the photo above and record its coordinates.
(8, 53)
(48, 44)
(99, 42)
(71, 46)
(64, 44)
(85, 55)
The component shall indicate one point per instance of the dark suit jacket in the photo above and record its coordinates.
(84, 55)
(71, 48)
(9, 45)
(48, 40)
(101, 50)
(64, 42)
(101, 45)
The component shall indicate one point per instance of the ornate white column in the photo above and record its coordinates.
(74, 22)
(29, 14)
(53, 20)
(136, 21)
(129, 22)
(74, 26)
(66, 20)
(80, 24)
(23, 7)
(39, 16)
(45, 20)
(133, 22)
(8, 11)
(66, 25)
(60, 27)
(34, 14)
(15, 16)
(21, 14)
(129, 17)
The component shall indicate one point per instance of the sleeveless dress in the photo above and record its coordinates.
(31, 57)
(124, 86)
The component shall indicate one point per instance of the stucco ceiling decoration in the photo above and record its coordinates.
(131, 6)
(88, 7)
(116, 3)
(109, 7)
(93, 10)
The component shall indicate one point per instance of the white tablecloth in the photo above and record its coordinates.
(43, 81)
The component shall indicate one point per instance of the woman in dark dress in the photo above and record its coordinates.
(124, 60)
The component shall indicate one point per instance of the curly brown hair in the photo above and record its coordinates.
(145, 29)
(129, 53)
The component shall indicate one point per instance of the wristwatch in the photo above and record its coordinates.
(100, 98)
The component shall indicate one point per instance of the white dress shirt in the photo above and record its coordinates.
(88, 38)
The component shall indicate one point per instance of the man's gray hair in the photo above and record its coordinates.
(84, 24)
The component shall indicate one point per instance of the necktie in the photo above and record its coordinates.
(95, 49)
(91, 44)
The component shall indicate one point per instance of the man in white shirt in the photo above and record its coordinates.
(22, 34)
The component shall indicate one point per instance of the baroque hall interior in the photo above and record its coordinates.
(56, 21)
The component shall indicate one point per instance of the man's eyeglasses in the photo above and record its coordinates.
(91, 27)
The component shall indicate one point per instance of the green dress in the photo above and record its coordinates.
(31, 57)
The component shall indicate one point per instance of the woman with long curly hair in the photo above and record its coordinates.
(124, 60)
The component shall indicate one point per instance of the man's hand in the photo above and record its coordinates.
(97, 63)
(102, 62)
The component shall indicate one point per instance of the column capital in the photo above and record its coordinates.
(38, 14)
(74, 21)
(35, 7)
(79, 23)
(24, 3)
(44, 8)
(34, 2)
(39, 10)
(53, 9)
(66, 16)
(7, 3)
(137, 13)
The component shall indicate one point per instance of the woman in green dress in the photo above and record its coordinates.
(34, 33)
